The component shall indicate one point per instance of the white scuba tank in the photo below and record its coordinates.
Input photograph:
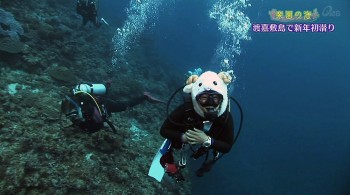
(97, 89)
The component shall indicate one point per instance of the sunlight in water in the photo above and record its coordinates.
(139, 13)
(234, 26)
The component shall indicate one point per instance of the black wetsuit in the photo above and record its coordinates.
(221, 130)
(88, 11)
(93, 121)
(121, 105)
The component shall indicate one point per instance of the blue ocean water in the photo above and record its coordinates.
(293, 87)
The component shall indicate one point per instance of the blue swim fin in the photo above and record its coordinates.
(157, 170)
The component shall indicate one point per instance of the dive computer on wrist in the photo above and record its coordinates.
(207, 143)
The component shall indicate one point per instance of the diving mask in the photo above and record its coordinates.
(209, 99)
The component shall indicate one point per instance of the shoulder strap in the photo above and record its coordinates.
(188, 103)
(189, 116)
(92, 98)
(111, 125)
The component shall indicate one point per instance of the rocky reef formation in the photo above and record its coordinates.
(39, 152)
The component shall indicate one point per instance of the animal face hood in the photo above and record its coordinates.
(206, 82)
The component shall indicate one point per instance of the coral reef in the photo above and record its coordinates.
(40, 153)
(10, 29)
(63, 74)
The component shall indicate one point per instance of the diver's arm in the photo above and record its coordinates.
(172, 131)
(224, 143)
(121, 105)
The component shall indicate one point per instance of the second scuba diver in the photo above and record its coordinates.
(88, 10)
(88, 107)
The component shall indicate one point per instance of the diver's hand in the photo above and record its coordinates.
(184, 138)
(196, 136)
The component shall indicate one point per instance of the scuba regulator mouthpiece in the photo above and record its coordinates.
(211, 114)
(96, 89)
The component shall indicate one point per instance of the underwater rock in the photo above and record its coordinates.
(10, 46)
(104, 142)
(117, 175)
(10, 29)
(62, 74)
(42, 155)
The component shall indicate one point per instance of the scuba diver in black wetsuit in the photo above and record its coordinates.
(204, 120)
(88, 107)
(88, 10)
